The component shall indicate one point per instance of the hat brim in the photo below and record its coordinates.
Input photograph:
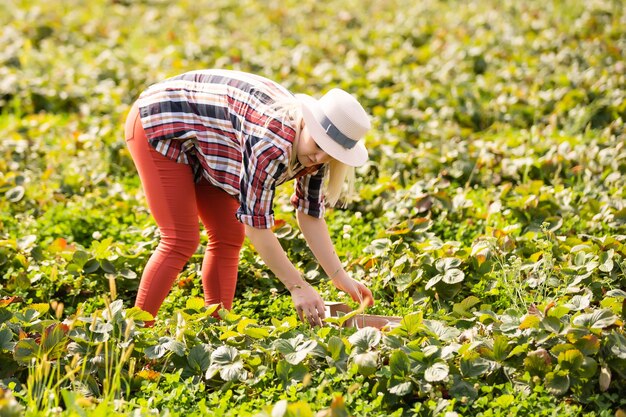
(311, 113)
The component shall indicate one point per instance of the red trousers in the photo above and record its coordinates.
(176, 202)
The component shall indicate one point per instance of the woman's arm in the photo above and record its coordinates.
(309, 305)
(316, 234)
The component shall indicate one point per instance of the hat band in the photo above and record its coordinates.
(335, 134)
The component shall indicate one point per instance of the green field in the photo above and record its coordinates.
(492, 216)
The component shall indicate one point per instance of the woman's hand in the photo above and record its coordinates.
(357, 290)
(309, 305)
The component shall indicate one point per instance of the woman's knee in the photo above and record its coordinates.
(232, 239)
(182, 245)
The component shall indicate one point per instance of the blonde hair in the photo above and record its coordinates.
(339, 177)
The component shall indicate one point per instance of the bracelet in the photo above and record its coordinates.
(335, 273)
(294, 287)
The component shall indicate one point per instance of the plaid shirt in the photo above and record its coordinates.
(222, 123)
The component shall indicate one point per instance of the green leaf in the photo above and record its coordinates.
(128, 273)
(441, 331)
(165, 344)
(446, 264)
(365, 339)
(367, 363)
(199, 358)
(579, 302)
(401, 389)
(500, 348)
(399, 363)
(461, 389)
(296, 349)
(6, 339)
(195, 303)
(538, 362)
(453, 276)
(91, 266)
(530, 321)
(433, 281)
(336, 348)
(570, 359)
(54, 340)
(138, 314)
(256, 332)
(616, 293)
(599, 319)
(588, 368)
(474, 366)
(25, 350)
(233, 372)
(464, 306)
(606, 261)
(410, 325)
(437, 372)
(558, 382)
(588, 345)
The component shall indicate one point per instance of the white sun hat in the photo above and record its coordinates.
(337, 123)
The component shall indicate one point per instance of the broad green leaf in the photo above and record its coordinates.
(579, 302)
(138, 314)
(224, 355)
(599, 319)
(538, 362)
(464, 306)
(433, 281)
(25, 350)
(606, 261)
(474, 366)
(399, 363)
(588, 369)
(500, 348)
(461, 389)
(588, 345)
(233, 372)
(446, 264)
(195, 303)
(616, 293)
(128, 273)
(378, 247)
(401, 389)
(571, 359)
(15, 194)
(296, 349)
(336, 348)
(410, 325)
(199, 358)
(558, 382)
(551, 324)
(437, 372)
(54, 340)
(165, 344)
(91, 266)
(367, 363)
(365, 339)
(441, 331)
(256, 332)
(6, 339)
(453, 276)
(530, 321)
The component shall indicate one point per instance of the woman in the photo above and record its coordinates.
(214, 144)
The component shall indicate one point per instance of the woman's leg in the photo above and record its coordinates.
(226, 234)
(170, 191)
